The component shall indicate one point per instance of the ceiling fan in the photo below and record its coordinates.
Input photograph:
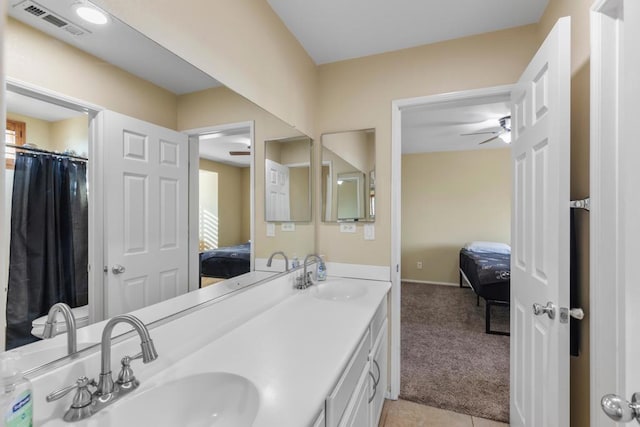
(504, 133)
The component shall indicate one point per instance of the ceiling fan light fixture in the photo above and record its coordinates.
(505, 137)
(91, 14)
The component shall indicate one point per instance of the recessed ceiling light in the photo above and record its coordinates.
(92, 15)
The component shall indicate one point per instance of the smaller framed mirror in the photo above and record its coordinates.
(348, 176)
(287, 189)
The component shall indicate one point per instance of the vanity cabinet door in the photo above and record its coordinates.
(379, 370)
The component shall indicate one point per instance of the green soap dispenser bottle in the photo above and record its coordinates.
(17, 398)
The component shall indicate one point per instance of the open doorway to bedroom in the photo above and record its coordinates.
(455, 250)
(224, 203)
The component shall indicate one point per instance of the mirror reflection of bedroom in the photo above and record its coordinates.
(456, 207)
(224, 204)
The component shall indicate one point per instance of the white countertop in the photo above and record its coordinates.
(293, 352)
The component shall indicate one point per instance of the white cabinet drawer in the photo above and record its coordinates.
(379, 367)
(339, 399)
(358, 413)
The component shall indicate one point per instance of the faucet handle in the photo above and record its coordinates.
(126, 377)
(81, 406)
(82, 384)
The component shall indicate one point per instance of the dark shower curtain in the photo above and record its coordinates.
(49, 240)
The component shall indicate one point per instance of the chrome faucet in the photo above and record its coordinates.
(286, 260)
(307, 279)
(50, 330)
(149, 353)
(85, 403)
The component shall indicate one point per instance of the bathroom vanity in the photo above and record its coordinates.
(264, 356)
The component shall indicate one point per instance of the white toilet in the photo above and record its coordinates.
(80, 313)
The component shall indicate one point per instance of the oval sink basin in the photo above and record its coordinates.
(338, 290)
(210, 399)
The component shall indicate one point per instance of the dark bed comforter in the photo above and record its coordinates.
(226, 262)
(489, 273)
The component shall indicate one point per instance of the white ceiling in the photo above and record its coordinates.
(334, 30)
(31, 107)
(431, 130)
(118, 44)
(217, 146)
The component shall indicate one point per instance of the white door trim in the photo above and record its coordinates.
(497, 93)
(194, 144)
(607, 291)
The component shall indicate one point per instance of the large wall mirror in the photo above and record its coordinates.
(348, 176)
(287, 189)
(224, 133)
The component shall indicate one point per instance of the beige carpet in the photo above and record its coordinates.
(447, 360)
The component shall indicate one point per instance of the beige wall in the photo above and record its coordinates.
(357, 94)
(448, 199)
(580, 115)
(242, 43)
(71, 134)
(231, 195)
(38, 59)
(61, 135)
(222, 106)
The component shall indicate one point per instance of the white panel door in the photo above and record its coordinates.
(146, 223)
(277, 194)
(540, 235)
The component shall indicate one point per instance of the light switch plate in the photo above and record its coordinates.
(369, 232)
(271, 229)
(347, 227)
(288, 226)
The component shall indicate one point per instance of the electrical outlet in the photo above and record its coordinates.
(419, 265)
(347, 227)
(288, 226)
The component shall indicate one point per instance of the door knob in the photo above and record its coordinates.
(118, 269)
(549, 309)
(619, 409)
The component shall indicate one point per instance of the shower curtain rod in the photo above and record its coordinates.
(40, 150)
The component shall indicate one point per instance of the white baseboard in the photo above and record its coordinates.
(430, 282)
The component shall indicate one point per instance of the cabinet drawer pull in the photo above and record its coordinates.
(379, 372)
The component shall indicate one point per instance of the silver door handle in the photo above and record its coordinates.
(118, 269)
(619, 409)
(549, 309)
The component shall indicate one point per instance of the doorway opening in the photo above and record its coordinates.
(441, 108)
(224, 173)
(47, 146)
(455, 249)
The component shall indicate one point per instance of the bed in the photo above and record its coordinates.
(486, 268)
(226, 262)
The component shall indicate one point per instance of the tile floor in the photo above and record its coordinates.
(402, 413)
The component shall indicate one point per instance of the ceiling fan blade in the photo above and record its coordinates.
(491, 139)
(239, 153)
(480, 133)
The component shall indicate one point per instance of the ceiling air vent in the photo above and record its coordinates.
(35, 10)
(55, 21)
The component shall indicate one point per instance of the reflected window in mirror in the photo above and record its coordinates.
(288, 180)
(348, 176)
